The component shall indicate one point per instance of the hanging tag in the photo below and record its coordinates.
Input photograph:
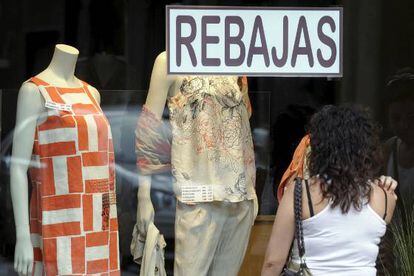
(58, 106)
(199, 193)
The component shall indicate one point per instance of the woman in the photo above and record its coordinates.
(346, 214)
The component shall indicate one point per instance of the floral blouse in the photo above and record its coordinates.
(211, 137)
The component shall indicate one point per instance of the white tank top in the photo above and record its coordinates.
(342, 244)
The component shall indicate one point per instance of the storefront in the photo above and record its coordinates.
(118, 43)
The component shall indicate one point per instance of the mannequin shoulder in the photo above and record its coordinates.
(162, 57)
(30, 96)
(95, 93)
(29, 89)
(160, 63)
(160, 67)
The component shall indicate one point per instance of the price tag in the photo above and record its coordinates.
(58, 106)
(200, 193)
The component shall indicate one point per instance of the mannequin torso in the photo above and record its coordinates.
(31, 108)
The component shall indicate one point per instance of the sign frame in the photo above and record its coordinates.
(258, 74)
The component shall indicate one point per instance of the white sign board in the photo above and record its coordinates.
(254, 41)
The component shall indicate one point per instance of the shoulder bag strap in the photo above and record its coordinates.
(298, 220)
(310, 205)
(386, 203)
(395, 164)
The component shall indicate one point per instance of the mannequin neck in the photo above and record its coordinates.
(61, 70)
(63, 62)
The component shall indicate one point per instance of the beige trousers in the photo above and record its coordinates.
(211, 238)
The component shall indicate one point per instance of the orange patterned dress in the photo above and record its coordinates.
(73, 217)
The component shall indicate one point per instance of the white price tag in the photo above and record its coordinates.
(58, 106)
(201, 193)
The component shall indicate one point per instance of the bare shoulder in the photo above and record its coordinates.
(381, 198)
(316, 198)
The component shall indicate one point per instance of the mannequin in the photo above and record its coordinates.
(165, 87)
(32, 112)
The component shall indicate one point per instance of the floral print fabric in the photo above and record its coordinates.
(152, 144)
(211, 137)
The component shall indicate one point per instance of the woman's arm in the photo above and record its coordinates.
(282, 235)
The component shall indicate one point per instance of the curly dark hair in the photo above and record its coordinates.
(345, 154)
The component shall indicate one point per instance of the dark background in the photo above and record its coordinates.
(118, 41)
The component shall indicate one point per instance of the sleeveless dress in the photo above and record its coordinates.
(73, 217)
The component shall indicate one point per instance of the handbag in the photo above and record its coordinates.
(292, 268)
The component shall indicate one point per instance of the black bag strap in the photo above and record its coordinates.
(395, 164)
(310, 205)
(298, 220)
(386, 203)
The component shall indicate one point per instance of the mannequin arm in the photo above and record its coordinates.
(29, 108)
(157, 95)
(145, 212)
(160, 85)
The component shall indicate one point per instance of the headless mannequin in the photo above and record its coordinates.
(30, 107)
(162, 86)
